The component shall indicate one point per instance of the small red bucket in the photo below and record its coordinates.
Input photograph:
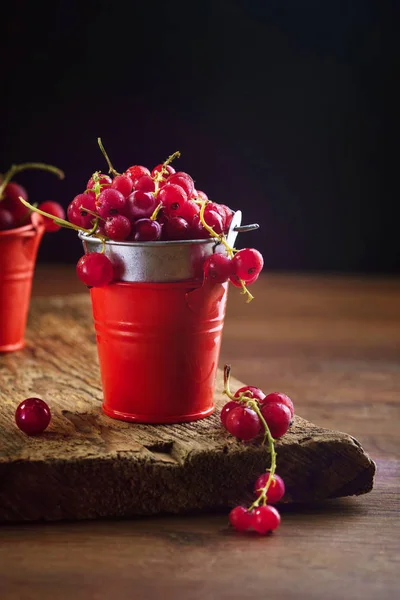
(18, 250)
(158, 346)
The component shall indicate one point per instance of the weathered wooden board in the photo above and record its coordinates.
(87, 465)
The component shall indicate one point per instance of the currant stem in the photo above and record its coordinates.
(220, 238)
(155, 212)
(14, 169)
(111, 169)
(227, 375)
(59, 221)
(245, 291)
(271, 446)
(90, 212)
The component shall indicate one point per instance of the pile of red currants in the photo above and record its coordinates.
(248, 415)
(161, 205)
(13, 213)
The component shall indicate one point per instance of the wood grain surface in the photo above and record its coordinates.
(333, 343)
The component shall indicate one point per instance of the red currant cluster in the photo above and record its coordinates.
(140, 205)
(13, 213)
(249, 414)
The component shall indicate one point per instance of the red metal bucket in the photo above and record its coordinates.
(158, 346)
(18, 250)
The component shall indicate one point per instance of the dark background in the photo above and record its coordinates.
(281, 108)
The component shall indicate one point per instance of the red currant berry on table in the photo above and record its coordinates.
(247, 263)
(147, 230)
(32, 416)
(53, 208)
(117, 228)
(265, 519)
(95, 269)
(137, 171)
(217, 267)
(280, 398)
(226, 410)
(140, 205)
(176, 228)
(104, 180)
(254, 391)
(122, 183)
(276, 489)
(243, 423)
(240, 518)
(110, 202)
(277, 417)
(7, 220)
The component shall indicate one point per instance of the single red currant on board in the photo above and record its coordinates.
(240, 518)
(265, 519)
(32, 416)
(226, 410)
(276, 489)
(217, 267)
(247, 263)
(95, 269)
(252, 392)
(53, 208)
(243, 423)
(278, 418)
(281, 398)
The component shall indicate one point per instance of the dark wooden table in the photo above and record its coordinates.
(333, 344)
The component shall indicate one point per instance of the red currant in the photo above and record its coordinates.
(104, 180)
(53, 208)
(234, 279)
(214, 220)
(32, 416)
(144, 183)
(255, 392)
(240, 518)
(118, 228)
(278, 418)
(12, 202)
(176, 228)
(265, 519)
(184, 181)
(76, 210)
(7, 220)
(281, 398)
(243, 423)
(122, 183)
(147, 230)
(170, 171)
(110, 202)
(137, 171)
(202, 196)
(247, 263)
(197, 231)
(217, 267)
(173, 198)
(276, 489)
(95, 269)
(188, 210)
(226, 410)
(141, 205)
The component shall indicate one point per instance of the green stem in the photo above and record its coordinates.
(155, 212)
(14, 169)
(59, 221)
(262, 497)
(111, 169)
